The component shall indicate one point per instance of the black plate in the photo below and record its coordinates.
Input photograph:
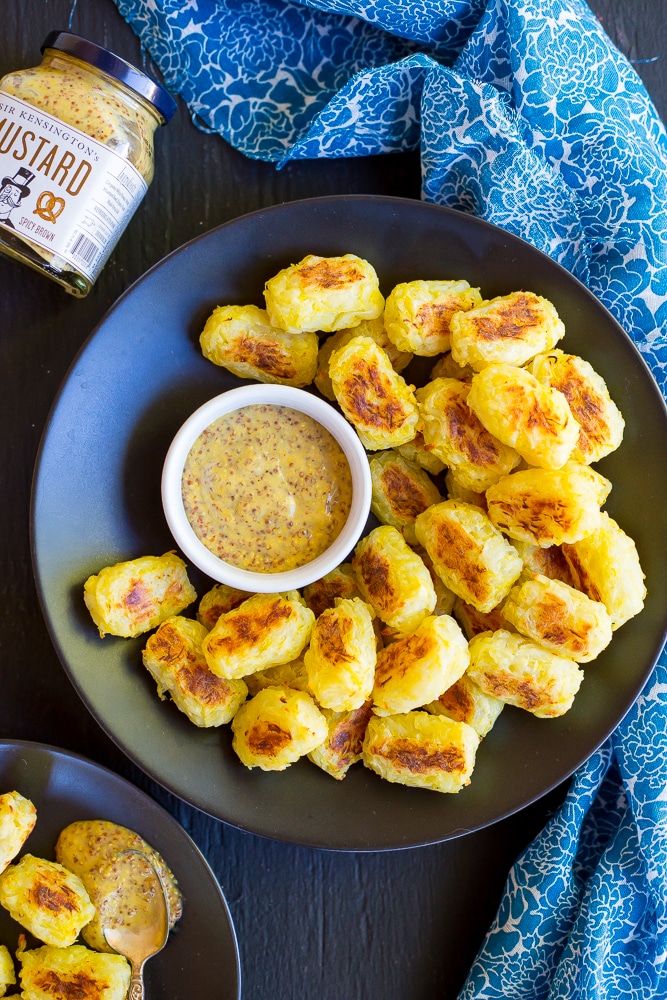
(96, 501)
(201, 955)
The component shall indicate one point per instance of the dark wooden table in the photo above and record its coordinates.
(401, 925)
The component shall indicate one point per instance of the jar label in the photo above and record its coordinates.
(62, 190)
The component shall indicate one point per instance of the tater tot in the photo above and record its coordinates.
(218, 600)
(276, 727)
(465, 702)
(549, 561)
(243, 340)
(469, 554)
(264, 631)
(47, 899)
(416, 669)
(509, 329)
(418, 451)
(374, 398)
(444, 597)
(174, 658)
(133, 597)
(601, 423)
(446, 367)
(417, 313)
(546, 506)
(473, 621)
(421, 750)
(17, 821)
(401, 490)
(343, 744)
(76, 971)
(323, 293)
(322, 593)
(524, 414)
(393, 579)
(559, 618)
(291, 675)
(373, 328)
(457, 491)
(520, 672)
(7, 974)
(340, 660)
(457, 436)
(605, 565)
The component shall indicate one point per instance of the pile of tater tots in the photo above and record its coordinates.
(66, 904)
(493, 574)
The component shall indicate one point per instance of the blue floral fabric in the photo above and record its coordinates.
(525, 115)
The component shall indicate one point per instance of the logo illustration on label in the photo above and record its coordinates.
(12, 192)
(49, 206)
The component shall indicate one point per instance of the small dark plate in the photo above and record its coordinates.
(201, 955)
(96, 501)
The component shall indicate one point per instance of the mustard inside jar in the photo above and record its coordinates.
(76, 157)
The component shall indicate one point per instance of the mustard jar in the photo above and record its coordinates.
(76, 157)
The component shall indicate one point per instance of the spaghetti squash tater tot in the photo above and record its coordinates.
(393, 579)
(7, 974)
(473, 621)
(465, 702)
(416, 669)
(217, 601)
(469, 554)
(457, 436)
(91, 848)
(374, 398)
(17, 821)
(605, 565)
(75, 971)
(533, 419)
(520, 672)
(47, 899)
(174, 658)
(549, 561)
(323, 293)
(133, 597)
(343, 744)
(421, 750)
(457, 491)
(510, 329)
(322, 594)
(417, 314)
(265, 631)
(242, 340)
(601, 424)
(373, 328)
(277, 727)
(290, 675)
(559, 618)
(444, 597)
(340, 660)
(417, 451)
(446, 367)
(548, 507)
(400, 491)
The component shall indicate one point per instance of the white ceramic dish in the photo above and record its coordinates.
(228, 402)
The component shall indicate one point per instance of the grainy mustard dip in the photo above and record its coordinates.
(267, 488)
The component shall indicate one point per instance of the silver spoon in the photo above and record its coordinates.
(135, 918)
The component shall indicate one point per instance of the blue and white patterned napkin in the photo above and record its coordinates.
(525, 115)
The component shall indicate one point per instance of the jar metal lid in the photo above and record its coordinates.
(114, 66)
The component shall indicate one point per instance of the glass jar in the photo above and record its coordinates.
(76, 157)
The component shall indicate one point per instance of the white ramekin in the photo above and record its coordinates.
(279, 395)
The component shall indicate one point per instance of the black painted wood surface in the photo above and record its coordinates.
(395, 926)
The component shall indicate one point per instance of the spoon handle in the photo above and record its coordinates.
(136, 990)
